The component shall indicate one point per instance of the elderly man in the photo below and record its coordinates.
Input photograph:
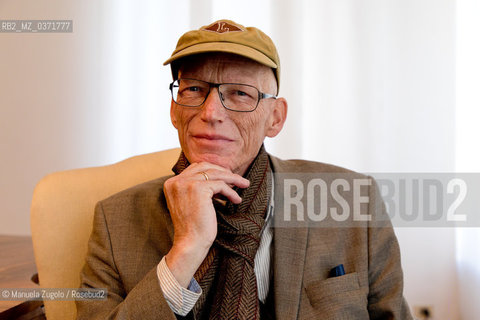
(201, 244)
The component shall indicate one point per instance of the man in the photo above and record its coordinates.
(201, 244)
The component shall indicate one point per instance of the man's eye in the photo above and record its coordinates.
(192, 90)
(241, 93)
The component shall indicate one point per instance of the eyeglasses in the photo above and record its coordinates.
(234, 96)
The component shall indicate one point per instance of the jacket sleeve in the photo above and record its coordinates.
(385, 298)
(144, 301)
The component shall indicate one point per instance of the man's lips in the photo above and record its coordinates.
(211, 137)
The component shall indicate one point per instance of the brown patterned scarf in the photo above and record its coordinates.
(227, 275)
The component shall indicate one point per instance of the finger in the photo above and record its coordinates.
(219, 187)
(229, 178)
(205, 171)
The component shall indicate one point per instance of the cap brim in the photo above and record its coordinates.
(228, 47)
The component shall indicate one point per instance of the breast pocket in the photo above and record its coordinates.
(338, 298)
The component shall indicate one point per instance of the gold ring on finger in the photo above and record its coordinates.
(205, 175)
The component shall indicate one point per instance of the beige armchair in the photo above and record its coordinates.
(62, 214)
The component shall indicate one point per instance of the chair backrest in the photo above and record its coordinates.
(62, 215)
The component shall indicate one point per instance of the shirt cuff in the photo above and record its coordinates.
(181, 300)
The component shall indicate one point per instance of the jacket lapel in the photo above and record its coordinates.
(289, 249)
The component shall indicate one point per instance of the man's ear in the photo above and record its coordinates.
(173, 117)
(277, 117)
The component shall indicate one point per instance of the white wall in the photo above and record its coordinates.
(50, 115)
(65, 102)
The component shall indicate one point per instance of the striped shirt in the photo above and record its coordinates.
(181, 300)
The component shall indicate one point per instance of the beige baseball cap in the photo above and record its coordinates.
(231, 37)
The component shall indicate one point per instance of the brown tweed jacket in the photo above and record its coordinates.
(132, 232)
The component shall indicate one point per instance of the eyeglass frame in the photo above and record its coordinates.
(261, 95)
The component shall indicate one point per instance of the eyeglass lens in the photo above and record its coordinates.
(237, 97)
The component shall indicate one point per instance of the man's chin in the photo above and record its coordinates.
(213, 158)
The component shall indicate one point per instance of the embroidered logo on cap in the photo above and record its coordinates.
(223, 26)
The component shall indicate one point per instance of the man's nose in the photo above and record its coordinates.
(212, 109)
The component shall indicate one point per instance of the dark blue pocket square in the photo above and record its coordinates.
(337, 271)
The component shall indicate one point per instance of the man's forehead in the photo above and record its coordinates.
(224, 67)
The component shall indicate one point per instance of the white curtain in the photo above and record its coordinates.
(467, 151)
(371, 86)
